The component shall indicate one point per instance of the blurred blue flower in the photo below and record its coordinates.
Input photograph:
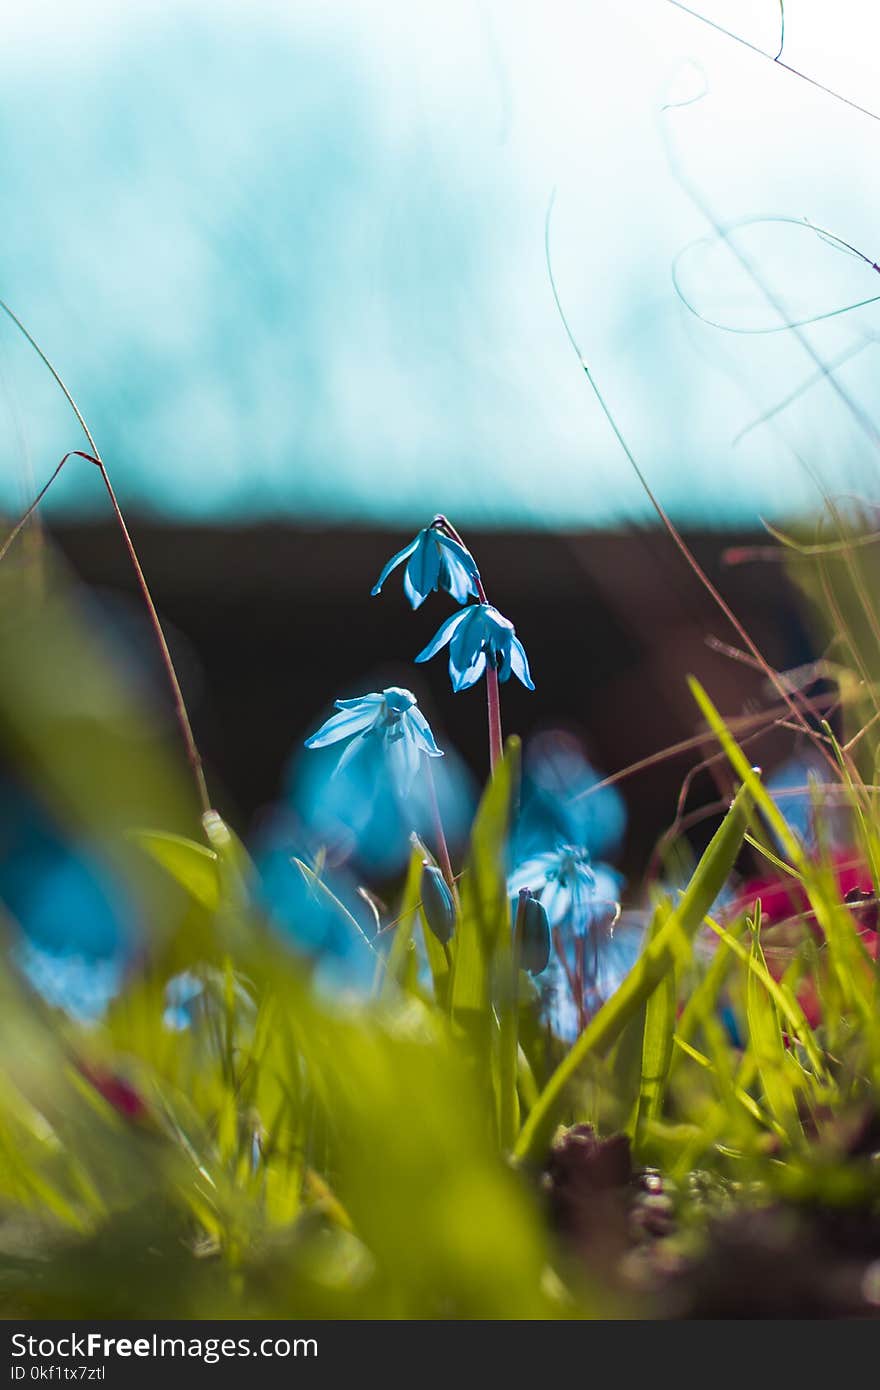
(434, 561)
(599, 945)
(477, 636)
(570, 888)
(364, 818)
(182, 995)
(799, 786)
(612, 950)
(558, 803)
(193, 995)
(390, 718)
(311, 920)
(83, 986)
(596, 965)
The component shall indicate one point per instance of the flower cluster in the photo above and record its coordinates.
(480, 640)
(559, 897)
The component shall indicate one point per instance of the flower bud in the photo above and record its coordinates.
(534, 935)
(438, 904)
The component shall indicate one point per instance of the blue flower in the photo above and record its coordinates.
(362, 816)
(570, 889)
(612, 951)
(183, 994)
(479, 635)
(434, 561)
(390, 717)
(599, 945)
(194, 995)
(559, 800)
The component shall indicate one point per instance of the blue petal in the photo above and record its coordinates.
(416, 599)
(616, 954)
(443, 635)
(458, 571)
(519, 663)
(463, 680)
(424, 566)
(456, 580)
(502, 651)
(532, 873)
(376, 697)
(497, 626)
(422, 733)
(176, 1019)
(458, 554)
(405, 758)
(393, 562)
(353, 748)
(183, 989)
(556, 901)
(339, 726)
(469, 641)
(607, 883)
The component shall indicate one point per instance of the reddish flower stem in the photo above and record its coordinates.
(493, 702)
(442, 847)
(493, 693)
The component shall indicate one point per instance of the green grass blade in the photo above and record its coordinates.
(320, 889)
(656, 1050)
(485, 908)
(398, 972)
(191, 865)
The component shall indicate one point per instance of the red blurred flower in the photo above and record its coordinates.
(117, 1092)
(783, 900)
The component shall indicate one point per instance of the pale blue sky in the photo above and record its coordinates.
(290, 257)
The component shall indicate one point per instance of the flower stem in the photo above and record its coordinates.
(440, 835)
(493, 702)
(493, 693)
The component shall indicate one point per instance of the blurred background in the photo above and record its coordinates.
(290, 259)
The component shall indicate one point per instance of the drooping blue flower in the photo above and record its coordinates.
(83, 986)
(362, 816)
(434, 561)
(571, 890)
(389, 717)
(479, 636)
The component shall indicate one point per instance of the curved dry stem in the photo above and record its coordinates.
(670, 526)
(192, 752)
(777, 60)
